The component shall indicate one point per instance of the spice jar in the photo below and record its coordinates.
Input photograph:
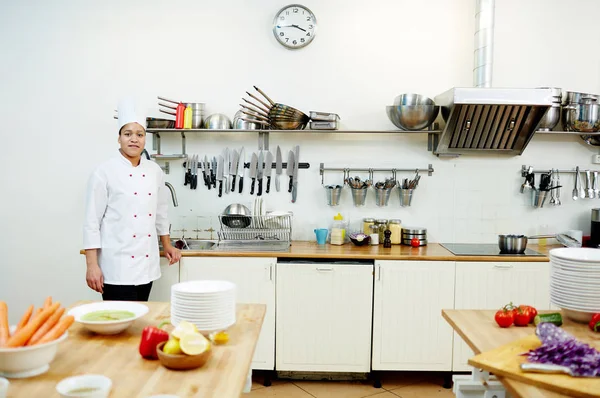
(382, 226)
(367, 222)
(374, 234)
(395, 226)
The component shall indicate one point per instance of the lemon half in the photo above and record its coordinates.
(183, 328)
(194, 344)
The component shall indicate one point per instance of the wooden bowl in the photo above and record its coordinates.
(181, 361)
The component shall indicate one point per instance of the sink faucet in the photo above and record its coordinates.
(173, 195)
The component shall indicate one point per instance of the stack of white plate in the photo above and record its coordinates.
(210, 305)
(575, 282)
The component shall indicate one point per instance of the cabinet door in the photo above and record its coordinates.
(324, 317)
(255, 283)
(491, 285)
(409, 332)
(161, 288)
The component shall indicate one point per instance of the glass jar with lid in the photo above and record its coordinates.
(367, 222)
(395, 226)
(382, 225)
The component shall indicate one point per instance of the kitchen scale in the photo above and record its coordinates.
(482, 249)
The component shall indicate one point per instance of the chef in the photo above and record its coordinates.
(126, 210)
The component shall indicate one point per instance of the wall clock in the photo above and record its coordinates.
(295, 26)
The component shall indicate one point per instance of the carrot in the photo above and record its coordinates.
(58, 330)
(21, 337)
(24, 319)
(48, 302)
(49, 324)
(4, 330)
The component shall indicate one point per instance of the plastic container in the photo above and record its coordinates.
(338, 230)
(179, 115)
(187, 118)
(395, 226)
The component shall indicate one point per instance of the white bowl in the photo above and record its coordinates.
(578, 316)
(582, 254)
(108, 327)
(100, 384)
(29, 361)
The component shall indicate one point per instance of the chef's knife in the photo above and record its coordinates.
(290, 169)
(278, 167)
(188, 174)
(226, 159)
(213, 170)
(220, 164)
(253, 164)
(261, 168)
(295, 185)
(194, 172)
(551, 368)
(233, 168)
(240, 169)
(203, 167)
(207, 181)
(268, 168)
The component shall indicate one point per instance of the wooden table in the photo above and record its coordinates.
(479, 330)
(117, 357)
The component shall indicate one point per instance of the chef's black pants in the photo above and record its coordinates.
(126, 292)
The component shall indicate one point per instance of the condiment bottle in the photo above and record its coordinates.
(338, 230)
(179, 115)
(187, 118)
(367, 222)
(374, 235)
(395, 226)
(382, 225)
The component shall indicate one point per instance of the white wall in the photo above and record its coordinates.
(65, 63)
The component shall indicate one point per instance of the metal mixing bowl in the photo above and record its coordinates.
(157, 123)
(240, 124)
(217, 121)
(550, 118)
(512, 244)
(413, 99)
(236, 215)
(412, 117)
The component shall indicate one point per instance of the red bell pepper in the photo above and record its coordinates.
(595, 323)
(151, 337)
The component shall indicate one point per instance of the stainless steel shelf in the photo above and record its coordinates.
(565, 133)
(292, 131)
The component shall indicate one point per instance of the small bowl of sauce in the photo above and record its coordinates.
(85, 386)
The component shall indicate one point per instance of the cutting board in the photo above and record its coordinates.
(505, 361)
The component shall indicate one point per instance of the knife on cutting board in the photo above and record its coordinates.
(268, 168)
(261, 168)
(290, 169)
(220, 164)
(252, 172)
(295, 174)
(240, 169)
(278, 167)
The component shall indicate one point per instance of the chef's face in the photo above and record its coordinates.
(132, 138)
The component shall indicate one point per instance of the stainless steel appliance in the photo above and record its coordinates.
(484, 249)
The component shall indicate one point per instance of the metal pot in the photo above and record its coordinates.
(516, 244)
(583, 118)
(550, 118)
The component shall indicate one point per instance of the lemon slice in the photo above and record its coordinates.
(194, 344)
(184, 327)
(221, 337)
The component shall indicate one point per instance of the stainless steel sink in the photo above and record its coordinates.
(194, 244)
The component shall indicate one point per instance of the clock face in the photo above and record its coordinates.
(294, 26)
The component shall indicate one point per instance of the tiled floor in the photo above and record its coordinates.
(395, 384)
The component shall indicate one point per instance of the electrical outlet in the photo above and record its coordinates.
(596, 159)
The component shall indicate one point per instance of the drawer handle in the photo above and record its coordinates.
(324, 269)
(503, 266)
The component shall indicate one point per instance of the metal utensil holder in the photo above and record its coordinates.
(382, 196)
(538, 198)
(359, 196)
(266, 232)
(333, 194)
(406, 195)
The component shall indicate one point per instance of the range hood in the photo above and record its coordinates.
(492, 120)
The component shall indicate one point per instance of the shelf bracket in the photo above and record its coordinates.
(263, 140)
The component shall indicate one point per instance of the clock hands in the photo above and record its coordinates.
(296, 26)
(291, 26)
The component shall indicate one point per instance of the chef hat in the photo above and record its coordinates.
(128, 113)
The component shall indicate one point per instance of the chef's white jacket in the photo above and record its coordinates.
(126, 211)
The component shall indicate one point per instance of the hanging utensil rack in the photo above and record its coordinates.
(371, 170)
(525, 169)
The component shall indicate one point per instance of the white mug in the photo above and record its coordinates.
(4, 383)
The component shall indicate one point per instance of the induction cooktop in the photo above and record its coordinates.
(484, 249)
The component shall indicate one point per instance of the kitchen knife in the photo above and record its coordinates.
(207, 181)
(295, 184)
(220, 164)
(203, 167)
(241, 169)
(261, 168)
(188, 174)
(233, 168)
(213, 170)
(226, 159)
(252, 173)
(278, 167)
(551, 368)
(290, 169)
(268, 168)
(194, 172)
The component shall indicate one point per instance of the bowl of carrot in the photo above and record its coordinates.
(28, 348)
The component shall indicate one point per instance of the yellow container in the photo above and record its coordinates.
(395, 227)
(187, 118)
(367, 222)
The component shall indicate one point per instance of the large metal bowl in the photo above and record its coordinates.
(413, 99)
(550, 118)
(412, 117)
(236, 216)
(217, 121)
(582, 118)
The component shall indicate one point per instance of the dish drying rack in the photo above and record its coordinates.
(262, 232)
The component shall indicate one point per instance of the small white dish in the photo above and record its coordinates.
(4, 384)
(579, 254)
(84, 386)
(108, 327)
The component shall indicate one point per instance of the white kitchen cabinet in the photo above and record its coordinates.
(409, 332)
(161, 288)
(324, 314)
(255, 283)
(491, 285)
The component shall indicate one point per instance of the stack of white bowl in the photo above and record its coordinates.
(575, 282)
(210, 305)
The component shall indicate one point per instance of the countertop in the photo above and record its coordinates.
(306, 249)
(117, 357)
(479, 330)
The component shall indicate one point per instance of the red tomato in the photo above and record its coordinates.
(522, 316)
(595, 323)
(415, 242)
(504, 317)
(531, 311)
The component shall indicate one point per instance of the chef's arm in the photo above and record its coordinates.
(95, 207)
